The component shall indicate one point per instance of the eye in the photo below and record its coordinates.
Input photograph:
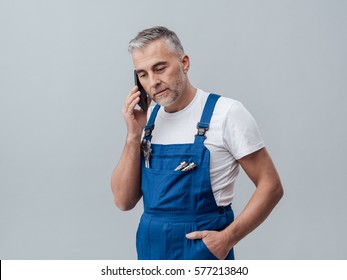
(160, 69)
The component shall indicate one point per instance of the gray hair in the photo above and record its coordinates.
(149, 35)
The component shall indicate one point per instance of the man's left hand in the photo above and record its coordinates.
(215, 241)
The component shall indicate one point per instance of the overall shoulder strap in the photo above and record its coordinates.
(204, 123)
(150, 124)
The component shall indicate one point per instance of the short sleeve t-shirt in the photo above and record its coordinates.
(233, 134)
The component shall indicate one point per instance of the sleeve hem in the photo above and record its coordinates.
(249, 150)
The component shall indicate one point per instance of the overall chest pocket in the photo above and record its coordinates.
(168, 190)
(165, 189)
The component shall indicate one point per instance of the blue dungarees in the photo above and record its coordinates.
(179, 202)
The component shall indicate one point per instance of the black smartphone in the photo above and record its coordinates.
(143, 96)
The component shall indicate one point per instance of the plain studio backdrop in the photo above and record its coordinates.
(64, 75)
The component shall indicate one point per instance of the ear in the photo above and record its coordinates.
(185, 63)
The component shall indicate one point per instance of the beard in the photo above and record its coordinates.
(172, 94)
(168, 98)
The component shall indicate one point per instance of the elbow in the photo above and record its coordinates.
(123, 206)
(122, 200)
(278, 191)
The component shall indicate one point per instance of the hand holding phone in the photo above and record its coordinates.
(143, 96)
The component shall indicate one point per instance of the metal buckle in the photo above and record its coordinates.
(202, 128)
(148, 131)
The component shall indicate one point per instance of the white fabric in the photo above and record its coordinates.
(233, 134)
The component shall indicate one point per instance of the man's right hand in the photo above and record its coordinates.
(135, 119)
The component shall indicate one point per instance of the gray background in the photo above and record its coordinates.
(65, 72)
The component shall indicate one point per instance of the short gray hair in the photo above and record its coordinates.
(149, 35)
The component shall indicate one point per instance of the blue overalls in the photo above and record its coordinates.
(179, 202)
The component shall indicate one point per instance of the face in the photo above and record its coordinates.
(161, 72)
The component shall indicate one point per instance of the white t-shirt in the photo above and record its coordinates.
(233, 134)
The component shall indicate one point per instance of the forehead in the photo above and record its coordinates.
(152, 53)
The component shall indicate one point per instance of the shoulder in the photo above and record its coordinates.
(227, 109)
(226, 104)
(223, 104)
(232, 111)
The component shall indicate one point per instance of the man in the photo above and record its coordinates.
(187, 181)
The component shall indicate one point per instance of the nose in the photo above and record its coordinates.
(153, 81)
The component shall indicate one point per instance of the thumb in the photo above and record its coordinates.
(195, 235)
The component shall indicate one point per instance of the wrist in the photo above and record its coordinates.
(133, 139)
(231, 236)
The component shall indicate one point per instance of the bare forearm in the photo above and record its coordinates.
(256, 211)
(125, 180)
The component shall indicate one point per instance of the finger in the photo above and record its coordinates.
(133, 90)
(131, 101)
(195, 235)
(132, 94)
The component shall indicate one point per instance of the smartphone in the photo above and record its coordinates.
(143, 96)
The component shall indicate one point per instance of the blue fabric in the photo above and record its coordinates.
(179, 202)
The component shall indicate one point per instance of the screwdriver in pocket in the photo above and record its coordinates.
(182, 165)
(189, 167)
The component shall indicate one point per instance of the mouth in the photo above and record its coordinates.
(159, 93)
